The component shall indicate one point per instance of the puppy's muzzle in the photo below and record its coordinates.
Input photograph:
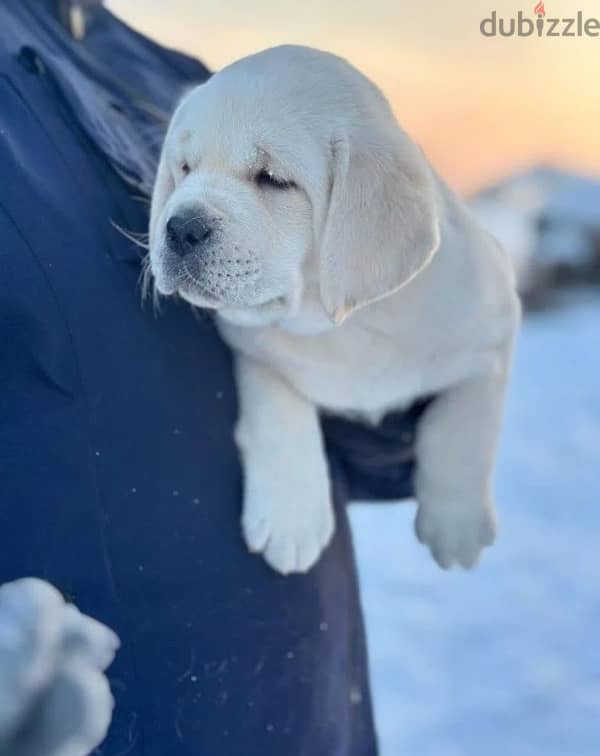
(188, 233)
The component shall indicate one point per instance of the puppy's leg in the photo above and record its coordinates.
(456, 448)
(288, 515)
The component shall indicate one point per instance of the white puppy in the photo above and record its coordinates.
(348, 278)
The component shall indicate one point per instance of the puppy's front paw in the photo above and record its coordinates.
(455, 534)
(291, 524)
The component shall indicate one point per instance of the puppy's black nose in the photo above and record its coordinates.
(188, 233)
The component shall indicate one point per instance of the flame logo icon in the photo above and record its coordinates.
(540, 12)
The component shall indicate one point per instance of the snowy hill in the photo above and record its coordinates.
(549, 221)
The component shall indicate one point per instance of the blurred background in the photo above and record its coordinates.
(504, 660)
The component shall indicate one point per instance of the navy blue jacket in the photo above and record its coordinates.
(119, 479)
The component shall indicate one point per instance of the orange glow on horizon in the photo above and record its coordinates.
(481, 108)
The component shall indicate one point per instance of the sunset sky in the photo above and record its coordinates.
(480, 107)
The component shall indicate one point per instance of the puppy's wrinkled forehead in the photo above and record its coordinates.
(224, 124)
(286, 102)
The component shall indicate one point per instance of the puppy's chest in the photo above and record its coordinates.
(357, 371)
(366, 388)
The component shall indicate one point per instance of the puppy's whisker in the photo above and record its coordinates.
(148, 284)
(141, 198)
(140, 240)
(146, 280)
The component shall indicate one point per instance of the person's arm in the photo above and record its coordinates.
(375, 462)
(54, 697)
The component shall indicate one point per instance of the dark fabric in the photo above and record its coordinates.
(378, 461)
(119, 479)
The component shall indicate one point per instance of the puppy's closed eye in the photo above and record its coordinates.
(266, 179)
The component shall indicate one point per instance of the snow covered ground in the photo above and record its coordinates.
(503, 661)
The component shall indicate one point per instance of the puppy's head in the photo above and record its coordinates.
(283, 180)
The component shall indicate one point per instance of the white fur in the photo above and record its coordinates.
(364, 288)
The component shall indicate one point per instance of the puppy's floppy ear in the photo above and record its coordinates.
(164, 185)
(382, 227)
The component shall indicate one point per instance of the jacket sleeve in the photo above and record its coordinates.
(375, 462)
(42, 451)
